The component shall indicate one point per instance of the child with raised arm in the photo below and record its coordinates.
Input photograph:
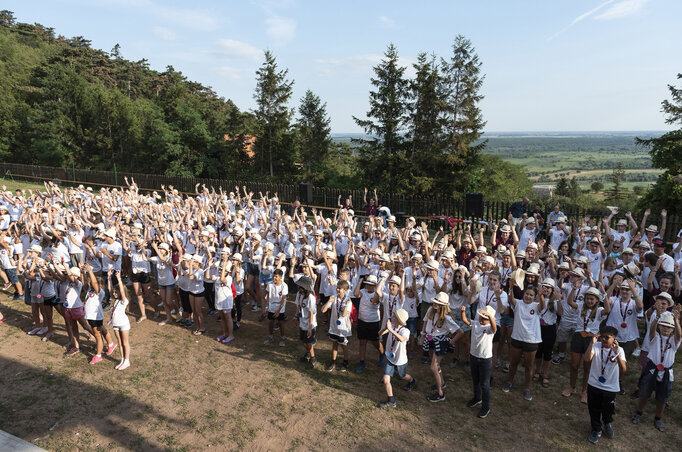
(276, 300)
(306, 311)
(339, 323)
(607, 361)
(665, 336)
(224, 300)
(481, 356)
(396, 355)
(119, 320)
(94, 313)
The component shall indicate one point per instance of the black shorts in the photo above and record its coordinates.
(322, 299)
(525, 346)
(648, 383)
(496, 336)
(142, 278)
(303, 335)
(368, 331)
(54, 301)
(95, 323)
(281, 317)
(579, 343)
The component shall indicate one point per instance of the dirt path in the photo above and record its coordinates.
(184, 393)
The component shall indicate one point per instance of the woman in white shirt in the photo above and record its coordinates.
(526, 335)
(548, 328)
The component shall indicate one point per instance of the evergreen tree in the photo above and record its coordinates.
(314, 134)
(574, 188)
(462, 83)
(382, 156)
(666, 153)
(562, 188)
(618, 192)
(426, 124)
(273, 91)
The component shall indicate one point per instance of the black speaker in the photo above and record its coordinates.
(305, 193)
(473, 206)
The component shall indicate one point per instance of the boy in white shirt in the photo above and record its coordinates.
(396, 355)
(276, 300)
(306, 311)
(607, 362)
(481, 356)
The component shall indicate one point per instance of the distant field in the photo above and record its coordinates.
(12, 185)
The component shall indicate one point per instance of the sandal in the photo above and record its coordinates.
(199, 332)
(536, 377)
(545, 382)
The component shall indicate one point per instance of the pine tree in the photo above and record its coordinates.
(562, 188)
(617, 193)
(426, 124)
(273, 91)
(314, 133)
(382, 156)
(573, 188)
(462, 83)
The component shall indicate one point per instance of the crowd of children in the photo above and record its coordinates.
(98, 257)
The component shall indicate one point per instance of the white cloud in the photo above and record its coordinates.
(386, 22)
(622, 9)
(231, 73)
(280, 29)
(165, 33)
(580, 18)
(193, 18)
(239, 49)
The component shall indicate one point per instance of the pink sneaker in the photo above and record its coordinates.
(95, 359)
(111, 348)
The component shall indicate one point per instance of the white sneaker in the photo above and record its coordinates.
(636, 352)
(41, 331)
(255, 308)
(34, 331)
(269, 340)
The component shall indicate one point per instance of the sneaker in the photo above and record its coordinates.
(269, 340)
(410, 386)
(467, 367)
(6, 286)
(18, 297)
(594, 437)
(236, 325)
(483, 412)
(228, 339)
(658, 423)
(527, 395)
(498, 364)
(312, 362)
(72, 351)
(261, 317)
(34, 331)
(473, 402)
(437, 397)
(111, 348)
(211, 312)
(276, 326)
(387, 404)
(382, 360)
(255, 308)
(95, 359)
(220, 338)
(124, 366)
(41, 331)
(558, 359)
(453, 364)
(305, 358)
(282, 342)
(636, 352)
(344, 367)
(636, 418)
(360, 367)
(505, 369)
(507, 386)
(435, 388)
(331, 366)
(425, 359)
(608, 431)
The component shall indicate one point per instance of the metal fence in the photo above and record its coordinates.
(421, 207)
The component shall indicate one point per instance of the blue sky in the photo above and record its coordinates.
(559, 65)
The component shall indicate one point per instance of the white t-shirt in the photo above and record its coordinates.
(527, 322)
(481, 340)
(327, 277)
(605, 364)
(308, 310)
(93, 305)
(72, 294)
(396, 351)
(223, 293)
(275, 296)
(391, 303)
(238, 286)
(557, 237)
(164, 270)
(586, 323)
(339, 324)
(665, 344)
(368, 311)
(595, 260)
(487, 297)
(434, 330)
(115, 249)
(137, 258)
(119, 319)
(548, 317)
(624, 314)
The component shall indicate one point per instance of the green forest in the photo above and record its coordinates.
(64, 103)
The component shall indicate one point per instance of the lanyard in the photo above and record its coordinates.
(623, 312)
(488, 299)
(663, 349)
(604, 362)
(340, 307)
(391, 304)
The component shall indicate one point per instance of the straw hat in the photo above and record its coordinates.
(666, 296)
(488, 312)
(667, 319)
(519, 277)
(402, 316)
(441, 299)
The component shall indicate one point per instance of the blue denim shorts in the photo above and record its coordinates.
(412, 325)
(506, 320)
(390, 369)
(168, 287)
